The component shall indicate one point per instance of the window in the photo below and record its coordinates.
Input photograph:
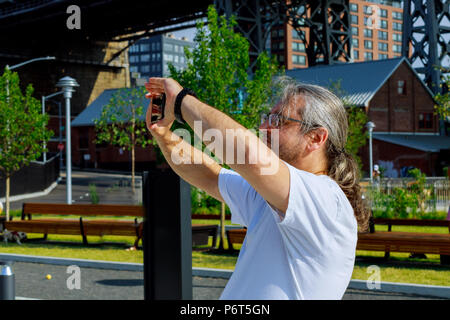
(397, 26)
(176, 59)
(367, 21)
(401, 87)
(368, 33)
(368, 44)
(383, 13)
(353, 7)
(426, 120)
(368, 56)
(368, 9)
(383, 24)
(355, 54)
(145, 68)
(175, 47)
(397, 48)
(295, 34)
(382, 46)
(298, 59)
(397, 37)
(355, 31)
(355, 42)
(281, 33)
(158, 46)
(134, 48)
(134, 59)
(298, 47)
(382, 56)
(153, 56)
(382, 35)
(145, 47)
(158, 56)
(83, 142)
(145, 58)
(353, 19)
(133, 69)
(153, 46)
(280, 57)
(397, 15)
(168, 47)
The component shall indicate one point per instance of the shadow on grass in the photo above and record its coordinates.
(401, 263)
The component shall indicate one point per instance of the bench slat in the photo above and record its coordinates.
(83, 209)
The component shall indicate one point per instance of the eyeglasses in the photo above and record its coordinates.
(275, 120)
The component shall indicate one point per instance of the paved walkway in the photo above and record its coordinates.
(101, 284)
(111, 188)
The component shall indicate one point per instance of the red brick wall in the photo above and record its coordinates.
(400, 156)
(108, 155)
(393, 112)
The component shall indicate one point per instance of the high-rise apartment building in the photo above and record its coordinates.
(376, 27)
(150, 56)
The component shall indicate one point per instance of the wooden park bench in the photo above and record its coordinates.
(389, 241)
(93, 227)
(412, 242)
(235, 236)
(82, 226)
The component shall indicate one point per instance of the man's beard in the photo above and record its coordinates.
(289, 154)
(286, 153)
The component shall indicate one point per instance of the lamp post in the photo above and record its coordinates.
(29, 61)
(67, 84)
(370, 125)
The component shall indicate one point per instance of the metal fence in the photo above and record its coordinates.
(437, 189)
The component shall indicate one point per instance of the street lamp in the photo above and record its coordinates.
(68, 84)
(370, 125)
(29, 61)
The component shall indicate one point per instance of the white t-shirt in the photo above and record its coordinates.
(309, 254)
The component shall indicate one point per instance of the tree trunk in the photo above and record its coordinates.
(222, 228)
(133, 156)
(8, 178)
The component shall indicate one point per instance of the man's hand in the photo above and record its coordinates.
(155, 87)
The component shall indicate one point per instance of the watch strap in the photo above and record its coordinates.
(178, 101)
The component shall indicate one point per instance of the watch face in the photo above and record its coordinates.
(157, 105)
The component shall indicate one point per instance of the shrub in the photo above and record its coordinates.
(93, 194)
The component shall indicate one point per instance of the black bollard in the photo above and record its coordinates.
(167, 238)
(7, 282)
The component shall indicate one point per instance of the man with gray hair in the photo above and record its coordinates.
(302, 220)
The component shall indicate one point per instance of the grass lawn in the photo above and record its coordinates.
(399, 268)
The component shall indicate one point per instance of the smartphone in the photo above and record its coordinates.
(157, 105)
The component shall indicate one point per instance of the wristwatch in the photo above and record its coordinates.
(178, 100)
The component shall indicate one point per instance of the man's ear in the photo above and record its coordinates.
(317, 138)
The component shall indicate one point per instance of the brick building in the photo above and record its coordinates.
(88, 154)
(400, 105)
(376, 27)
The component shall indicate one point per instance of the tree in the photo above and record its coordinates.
(357, 120)
(122, 123)
(22, 128)
(218, 72)
(443, 100)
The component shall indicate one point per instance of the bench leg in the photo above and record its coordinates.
(387, 254)
(85, 241)
(445, 259)
(45, 236)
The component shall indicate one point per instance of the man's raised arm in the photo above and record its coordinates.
(235, 139)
